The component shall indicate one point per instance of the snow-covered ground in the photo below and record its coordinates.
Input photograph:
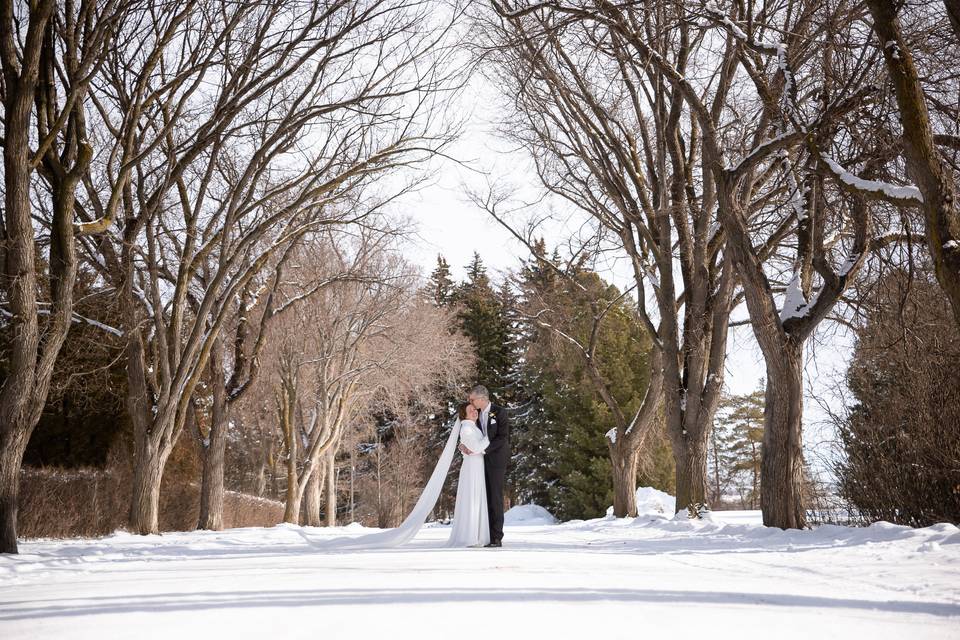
(647, 577)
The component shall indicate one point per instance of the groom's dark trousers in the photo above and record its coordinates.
(495, 480)
(495, 467)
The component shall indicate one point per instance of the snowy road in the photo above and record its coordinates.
(597, 579)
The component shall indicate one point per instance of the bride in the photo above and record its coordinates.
(470, 519)
(471, 526)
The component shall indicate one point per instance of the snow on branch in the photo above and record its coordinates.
(99, 325)
(795, 304)
(765, 148)
(904, 195)
(778, 49)
(718, 14)
(76, 318)
(798, 197)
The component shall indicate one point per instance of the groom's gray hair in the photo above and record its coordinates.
(481, 391)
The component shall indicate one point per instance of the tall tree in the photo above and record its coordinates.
(482, 319)
(223, 183)
(48, 55)
(742, 426)
(441, 284)
(607, 135)
(935, 180)
(588, 356)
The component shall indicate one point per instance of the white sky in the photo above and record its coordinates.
(448, 223)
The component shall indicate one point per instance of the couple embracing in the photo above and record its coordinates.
(485, 444)
(482, 435)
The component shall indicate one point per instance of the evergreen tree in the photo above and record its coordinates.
(735, 448)
(562, 460)
(441, 286)
(483, 320)
(901, 434)
(747, 423)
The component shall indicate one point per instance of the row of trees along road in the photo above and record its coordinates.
(709, 144)
(177, 153)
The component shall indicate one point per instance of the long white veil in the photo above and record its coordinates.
(409, 528)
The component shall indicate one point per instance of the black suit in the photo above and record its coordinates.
(495, 462)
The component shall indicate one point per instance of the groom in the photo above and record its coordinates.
(496, 426)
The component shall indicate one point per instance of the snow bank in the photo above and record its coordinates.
(528, 515)
(650, 500)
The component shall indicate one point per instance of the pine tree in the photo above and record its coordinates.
(722, 456)
(735, 451)
(441, 287)
(483, 320)
(561, 454)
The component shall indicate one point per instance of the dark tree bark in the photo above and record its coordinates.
(953, 12)
(926, 168)
(781, 491)
(624, 471)
(31, 77)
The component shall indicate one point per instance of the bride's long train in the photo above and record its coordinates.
(414, 521)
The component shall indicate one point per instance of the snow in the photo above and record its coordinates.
(951, 244)
(650, 576)
(895, 50)
(652, 274)
(720, 15)
(654, 501)
(528, 514)
(612, 435)
(848, 264)
(794, 302)
(908, 192)
(760, 148)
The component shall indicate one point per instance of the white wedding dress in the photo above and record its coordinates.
(471, 525)
(471, 506)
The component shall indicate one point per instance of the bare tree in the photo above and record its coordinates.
(776, 190)
(606, 134)
(935, 180)
(304, 268)
(355, 345)
(220, 181)
(48, 54)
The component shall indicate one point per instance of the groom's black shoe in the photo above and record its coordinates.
(493, 545)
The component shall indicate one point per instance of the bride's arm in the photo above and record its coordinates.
(482, 445)
(478, 443)
(473, 439)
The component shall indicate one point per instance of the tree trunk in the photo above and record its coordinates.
(624, 461)
(953, 12)
(145, 500)
(291, 512)
(312, 494)
(331, 470)
(781, 466)
(690, 455)
(211, 487)
(11, 457)
(21, 390)
(924, 163)
(215, 447)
